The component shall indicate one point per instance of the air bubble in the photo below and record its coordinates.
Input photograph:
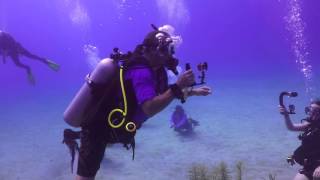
(296, 27)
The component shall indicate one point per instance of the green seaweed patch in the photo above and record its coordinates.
(220, 171)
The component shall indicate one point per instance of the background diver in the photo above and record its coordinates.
(308, 154)
(10, 47)
(180, 122)
(146, 72)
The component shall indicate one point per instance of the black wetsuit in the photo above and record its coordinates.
(308, 154)
(95, 135)
(10, 47)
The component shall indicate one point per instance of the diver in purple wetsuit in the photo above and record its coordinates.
(147, 93)
(10, 47)
(180, 122)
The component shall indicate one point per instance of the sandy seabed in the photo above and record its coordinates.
(236, 124)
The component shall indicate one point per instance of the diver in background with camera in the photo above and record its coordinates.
(308, 153)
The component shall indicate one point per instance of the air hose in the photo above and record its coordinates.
(130, 126)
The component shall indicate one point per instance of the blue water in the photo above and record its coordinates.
(251, 60)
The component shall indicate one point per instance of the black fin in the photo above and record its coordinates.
(69, 138)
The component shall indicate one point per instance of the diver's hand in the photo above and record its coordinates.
(316, 173)
(201, 91)
(186, 79)
(283, 110)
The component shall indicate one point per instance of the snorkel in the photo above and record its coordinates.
(289, 94)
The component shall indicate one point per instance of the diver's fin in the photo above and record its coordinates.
(53, 65)
(73, 150)
(69, 138)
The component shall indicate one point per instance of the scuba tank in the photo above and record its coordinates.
(98, 85)
(78, 111)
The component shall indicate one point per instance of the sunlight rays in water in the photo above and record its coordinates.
(174, 10)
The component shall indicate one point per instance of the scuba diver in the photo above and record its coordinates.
(180, 122)
(10, 47)
(120, 94)
(308, 153)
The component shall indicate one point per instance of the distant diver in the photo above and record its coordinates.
(180, 122)
(308, 153)
(10, 47)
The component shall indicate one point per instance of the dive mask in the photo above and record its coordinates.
(162, 47)
(166, 49)
(310, 110)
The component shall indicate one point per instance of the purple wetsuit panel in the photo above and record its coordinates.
(178, 119)
(143, 83)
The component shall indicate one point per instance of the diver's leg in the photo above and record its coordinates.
(300, 177)
(187, 126)
(194, 122)
(16, 60)
(51, 64)
(26, 53)
(91, 153)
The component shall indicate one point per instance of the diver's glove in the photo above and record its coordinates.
(53, 65)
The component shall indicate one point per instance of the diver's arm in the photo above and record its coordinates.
(200, 91)
(292, 126)
(295, 126)
(158, 103)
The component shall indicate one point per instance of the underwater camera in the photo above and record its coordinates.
(202, 67)
(289, 94)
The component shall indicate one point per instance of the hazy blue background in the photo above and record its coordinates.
(250, 58)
